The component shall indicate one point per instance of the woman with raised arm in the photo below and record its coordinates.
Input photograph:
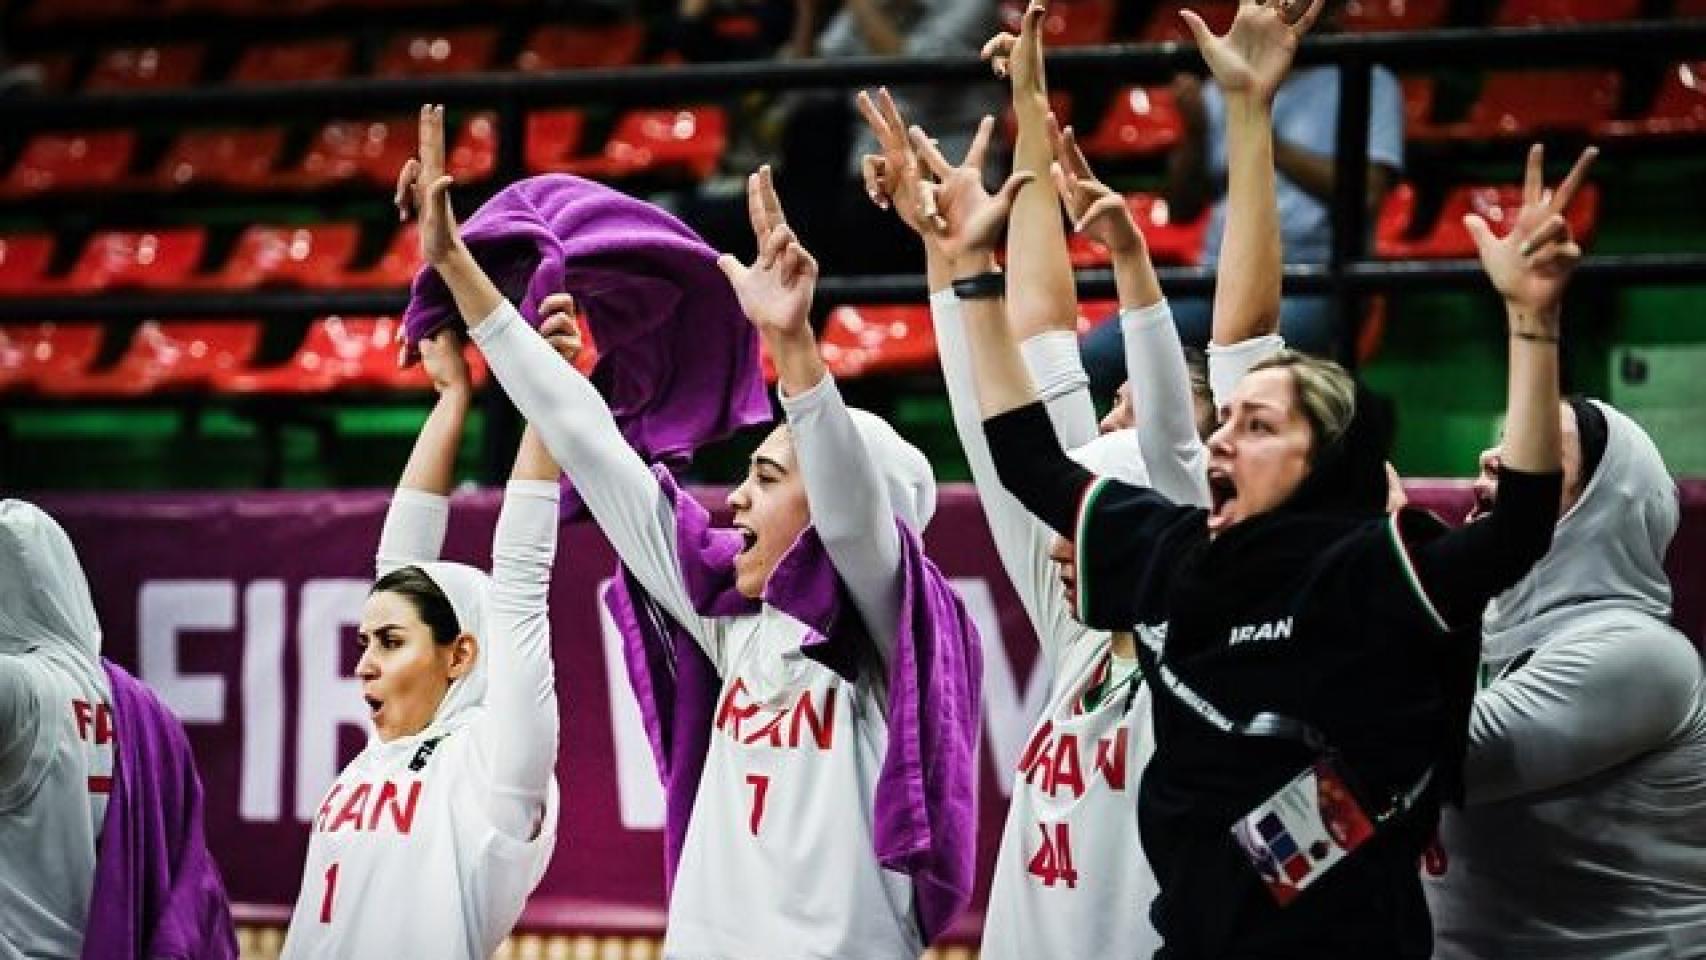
(809, 679)
(430, 840)
(1293, 631)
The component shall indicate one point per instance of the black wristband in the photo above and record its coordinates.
(990, 285)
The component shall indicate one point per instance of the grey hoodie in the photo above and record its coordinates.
(1585, 829)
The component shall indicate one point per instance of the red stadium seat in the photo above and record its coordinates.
(151, 259)
(145, 68)
(71, 161)
(37, 353)
(167, 356)
(1093, 312)
(24, 259)
(243, 159)
(559, 47)
(1140, 121)
(372, 151)
(554, 141)
(56, 70)
(437, 52)
(1498, 204)
(341, 353)
(1678, 108)
(682, 139)
(1392, 226)
(1166, 26)
(396, 267)
(1418, 107)
(1169, 241)
(1378, 16)
(1527, 13)
(1068, 23)
(311, 256)
(302, 62)
(1523, 103)
(891, 338)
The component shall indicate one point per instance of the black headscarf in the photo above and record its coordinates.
(1594, 432)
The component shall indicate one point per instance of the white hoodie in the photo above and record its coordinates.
(1585, 830)
(56, 738)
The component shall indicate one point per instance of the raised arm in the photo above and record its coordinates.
(1021, 542)
(1249, 64)
(521, 682)
(849, 502)
(420, 508)
(573, 421)
(1529, 267)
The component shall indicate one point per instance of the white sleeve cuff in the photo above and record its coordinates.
(1054, 363)
(944, 299)
(809, 399)
(535, 489)
(501, 316)
(1139, 319)
(1227, 364)
(421, 500)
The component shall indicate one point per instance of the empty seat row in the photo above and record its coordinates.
(685, 140)
(412, 53)
(337, 354)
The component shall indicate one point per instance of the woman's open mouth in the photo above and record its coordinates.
(1222, 494)
(749, 538)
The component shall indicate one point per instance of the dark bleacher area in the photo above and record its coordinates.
(302, 202)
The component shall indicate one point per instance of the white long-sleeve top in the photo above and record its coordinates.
(462, 818)
(778, 860)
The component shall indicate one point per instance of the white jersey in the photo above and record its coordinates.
(1071, 879)
(56, 769)
(404, 860)
(427, 846)
(778, 862)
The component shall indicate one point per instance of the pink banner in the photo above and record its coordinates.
(239, 611)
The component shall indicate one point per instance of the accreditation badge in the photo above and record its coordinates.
(1303, 830)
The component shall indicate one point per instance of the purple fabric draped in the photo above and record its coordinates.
(926, 797)
(157, 893)
(678, 362)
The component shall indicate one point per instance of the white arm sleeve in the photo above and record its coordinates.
(1161, 399)
(616, 484)
(1057, 368)
(1021, 540)
(850, 506)
(1229, 363)
(1577, 708)
(414, 529)
(521, 698)
(20, 721)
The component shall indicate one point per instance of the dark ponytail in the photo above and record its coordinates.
(412, 584)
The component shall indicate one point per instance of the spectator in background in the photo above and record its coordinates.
(824, 139)
(1305, 118)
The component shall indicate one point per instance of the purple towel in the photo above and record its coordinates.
(926, 797)
(157, 893)
(678, 362)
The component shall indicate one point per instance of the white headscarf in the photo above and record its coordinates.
(44, 598)
(468, 589)
(1116, 454)
(905, 469)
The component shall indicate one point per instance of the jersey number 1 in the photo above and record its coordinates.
(331, 891)
(1053, 860)
(760, 785)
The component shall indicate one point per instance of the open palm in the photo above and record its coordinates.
(1255, 53)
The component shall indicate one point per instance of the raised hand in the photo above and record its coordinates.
(959, 215)
(423, 189)
(1020, 58)
(1096, 210)
(561, 328)
(1256, 51)
(776, 291)
(1531, 264)
(891, 177)
(445, 364)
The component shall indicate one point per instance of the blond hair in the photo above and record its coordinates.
(1324, 390)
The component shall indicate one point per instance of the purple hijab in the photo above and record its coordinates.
(926, 799)
(157, 892)
(678, 362)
